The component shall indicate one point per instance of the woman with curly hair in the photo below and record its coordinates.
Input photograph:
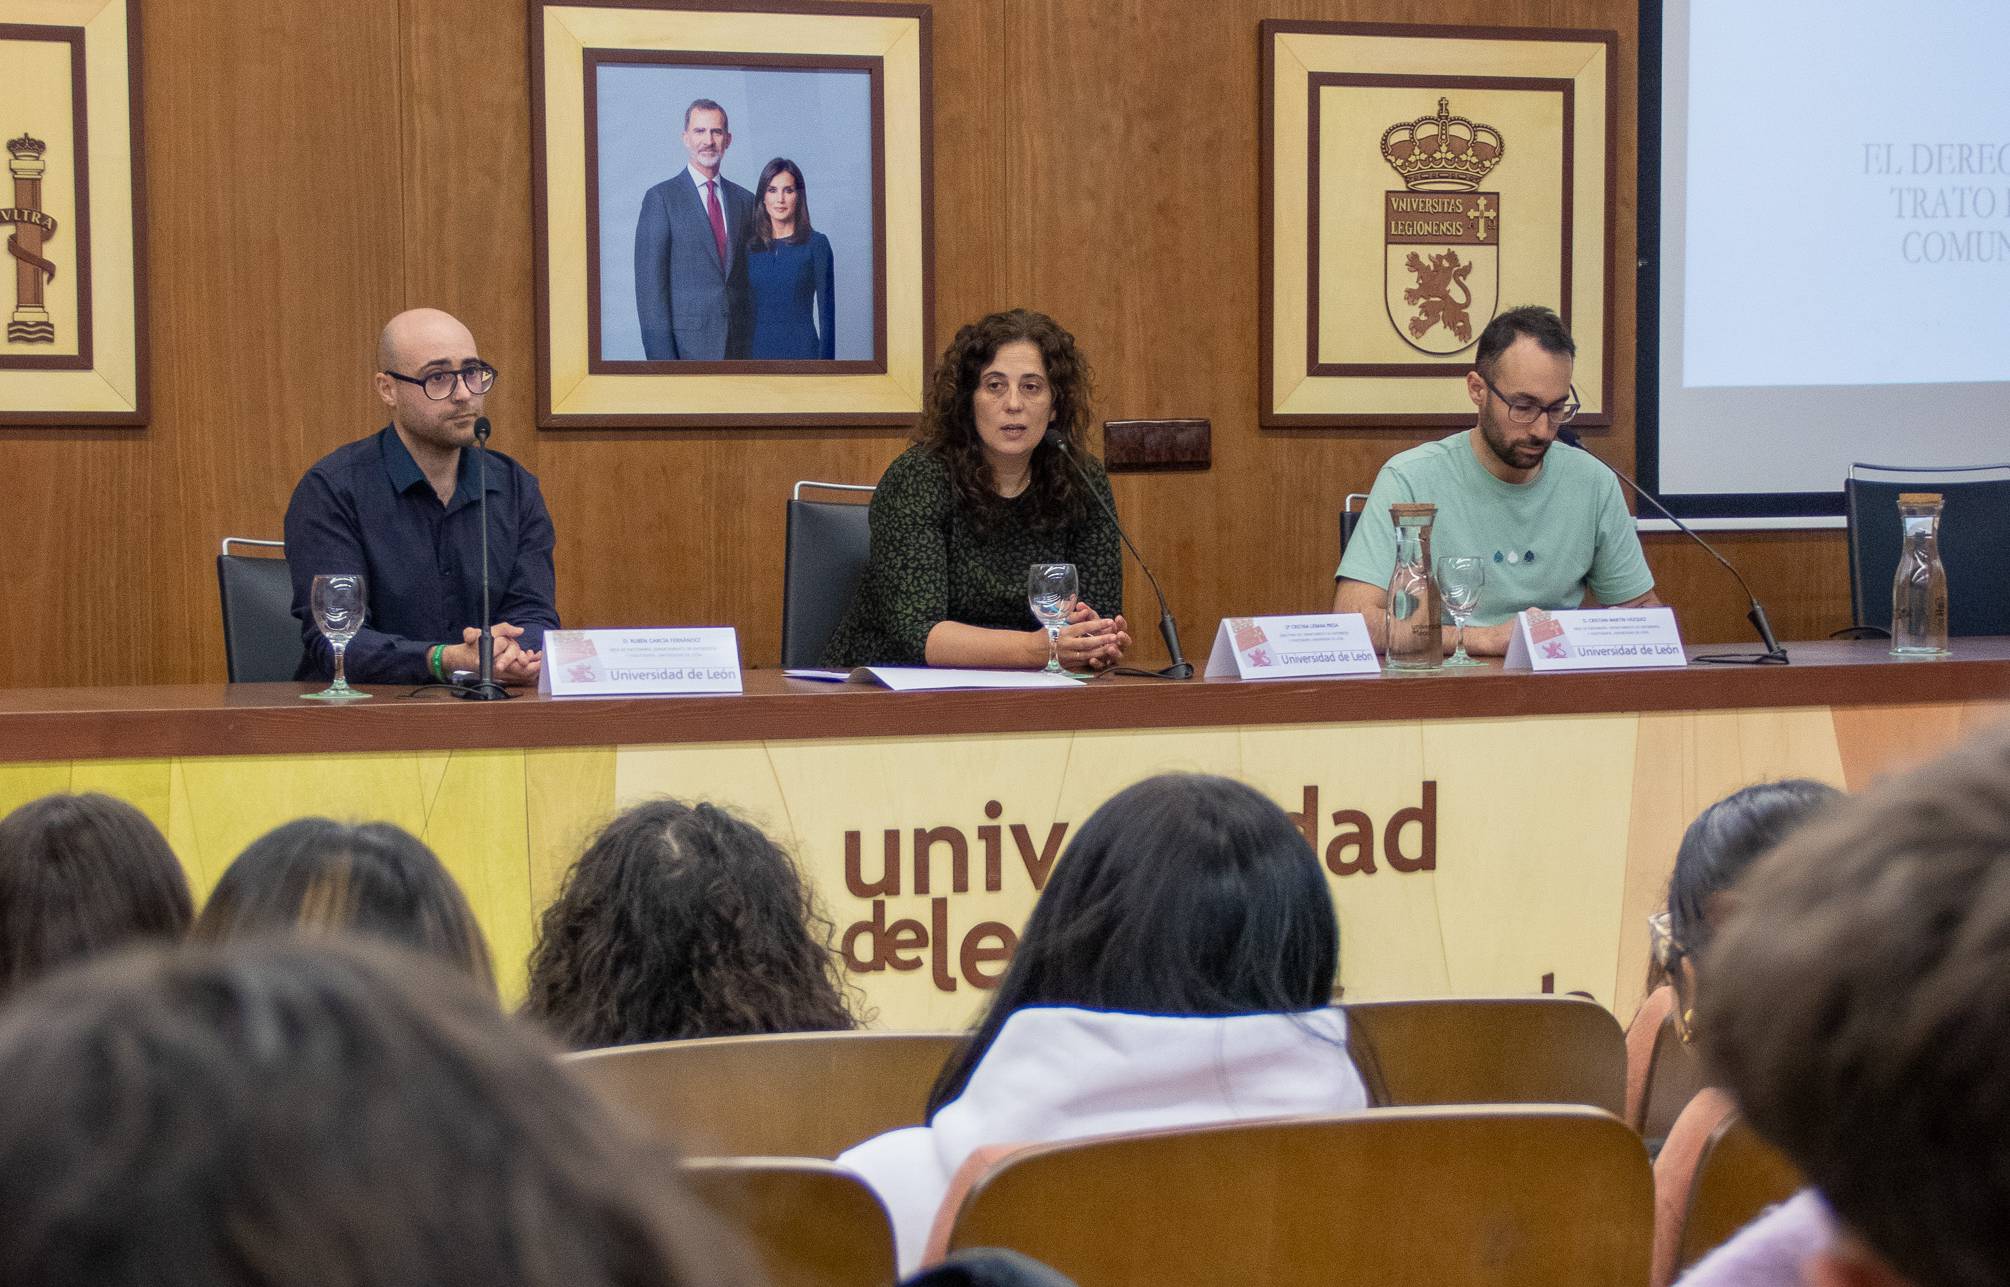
(683, 921)
(987, 491)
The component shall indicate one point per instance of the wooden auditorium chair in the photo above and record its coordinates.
(1713, 1177)
(811, 1094)
(1552, 1194)
(810, 1222)
(1489, 1050)
(1662, 1074)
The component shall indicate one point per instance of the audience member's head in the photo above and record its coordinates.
(683, 921)
(318, 876)
(1181, 895)
(1858, 1004)
(1719, 845)
(311, 1114)
(80, 874)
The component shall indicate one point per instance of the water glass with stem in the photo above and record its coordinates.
(1461, 577)
(339, 601)
(1051, 590)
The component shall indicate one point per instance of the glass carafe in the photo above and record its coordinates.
(1919, 590)
(1411, 638)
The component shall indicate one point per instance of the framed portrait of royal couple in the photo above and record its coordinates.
(731, 207)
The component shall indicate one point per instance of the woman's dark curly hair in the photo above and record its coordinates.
(683, 921)
(949, 426)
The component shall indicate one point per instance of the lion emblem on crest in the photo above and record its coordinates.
(1436, 281)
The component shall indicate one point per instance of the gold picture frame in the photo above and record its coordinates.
(73, 290)
(1416, 180)
(613, 85)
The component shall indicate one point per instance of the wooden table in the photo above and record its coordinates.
(267, 719)
(1483, 831)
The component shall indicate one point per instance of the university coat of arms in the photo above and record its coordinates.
(1441, 232)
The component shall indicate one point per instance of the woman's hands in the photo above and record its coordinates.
(1089, 641)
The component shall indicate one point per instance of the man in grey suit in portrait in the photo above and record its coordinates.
(691, 252)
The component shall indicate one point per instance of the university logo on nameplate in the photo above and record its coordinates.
(620, 663)
(1330, 643)
(1595, 639)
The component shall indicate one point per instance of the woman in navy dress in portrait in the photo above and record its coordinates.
(788, 271)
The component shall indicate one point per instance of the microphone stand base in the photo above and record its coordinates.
(489, 691)
(1775, 658)
(1184, 670)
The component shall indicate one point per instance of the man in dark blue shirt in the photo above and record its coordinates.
(402, 508)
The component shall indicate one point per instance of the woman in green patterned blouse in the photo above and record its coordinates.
(960, 515)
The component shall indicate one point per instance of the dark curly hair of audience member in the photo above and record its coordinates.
(370, 878)
(1184, 894)
(291, 1113)
(80, 875)
(684, 921)
(949, 421)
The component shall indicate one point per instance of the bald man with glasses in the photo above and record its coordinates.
(403, 508)
(1551, 525)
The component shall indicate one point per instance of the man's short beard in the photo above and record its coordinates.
(1488, 427)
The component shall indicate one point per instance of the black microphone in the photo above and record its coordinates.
(1181, 668)
(485, 688)
(1774, 654)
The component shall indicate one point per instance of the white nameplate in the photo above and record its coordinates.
(618, 663)
(1595, 639)
(1328, 643)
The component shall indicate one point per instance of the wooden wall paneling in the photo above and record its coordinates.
(312, 170)
(1801, 576)
(464, 82)
(273, 178)
(83, 602)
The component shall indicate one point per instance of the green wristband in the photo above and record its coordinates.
(433, 662)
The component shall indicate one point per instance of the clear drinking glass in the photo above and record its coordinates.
(339, 601)
(1461, 577)
(1051, 589)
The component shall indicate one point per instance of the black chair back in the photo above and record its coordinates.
(1349, 516)
(261, 640)
(1974, 539)
(827, 546)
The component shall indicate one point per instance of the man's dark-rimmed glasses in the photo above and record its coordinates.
(1523, 411)
(479, 377)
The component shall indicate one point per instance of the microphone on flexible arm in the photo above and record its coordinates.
(1181, 668)
(1774, 655)
(485, 688)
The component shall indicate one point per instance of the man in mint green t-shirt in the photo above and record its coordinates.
(1551, 525)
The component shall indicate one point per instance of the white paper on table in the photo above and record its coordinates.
(915, 679)
(821, 676)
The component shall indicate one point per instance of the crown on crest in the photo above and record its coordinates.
(1442, 153)
(27, 145)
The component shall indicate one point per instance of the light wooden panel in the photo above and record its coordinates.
(313, 169)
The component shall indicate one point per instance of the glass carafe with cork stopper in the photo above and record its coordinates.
(1919, 590)
(1412, 639)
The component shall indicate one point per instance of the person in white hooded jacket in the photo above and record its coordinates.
(1178, 970)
